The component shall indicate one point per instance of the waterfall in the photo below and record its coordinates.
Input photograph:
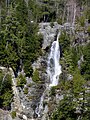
(39, 107)
(54, 68)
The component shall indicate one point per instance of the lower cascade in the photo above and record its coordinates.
(39, 107)
(53, 71)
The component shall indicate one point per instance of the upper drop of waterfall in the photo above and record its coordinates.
(54, 68)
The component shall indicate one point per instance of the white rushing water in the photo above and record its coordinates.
(54, 68)
(39, 107)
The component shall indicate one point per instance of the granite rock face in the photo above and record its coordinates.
(49, 32)
(5, 115)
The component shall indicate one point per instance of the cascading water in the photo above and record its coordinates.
(54, 68)
(39, 107)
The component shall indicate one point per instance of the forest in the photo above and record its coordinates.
(21, 46)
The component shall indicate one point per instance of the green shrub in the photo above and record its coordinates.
(28, 69)
(52, 92)
(13, 114)
(35, 76)
(6, 97)
(51, 24)
(85, 67)
(82, 21)
(59, 21)
(26, 90)
(64, 41)
(5, 90)
(88, 30)
(21, 81)
(30, 85)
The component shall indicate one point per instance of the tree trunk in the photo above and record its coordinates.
(63, 17)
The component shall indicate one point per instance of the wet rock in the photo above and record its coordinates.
(24, 117)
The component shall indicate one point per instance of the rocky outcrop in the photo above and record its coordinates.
(48, 33)
(5, 115)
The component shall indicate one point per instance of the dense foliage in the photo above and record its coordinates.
(35, 76)
(5, 90)
(75, 103)
(20, 46)
(85, 68)
(19, 42)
